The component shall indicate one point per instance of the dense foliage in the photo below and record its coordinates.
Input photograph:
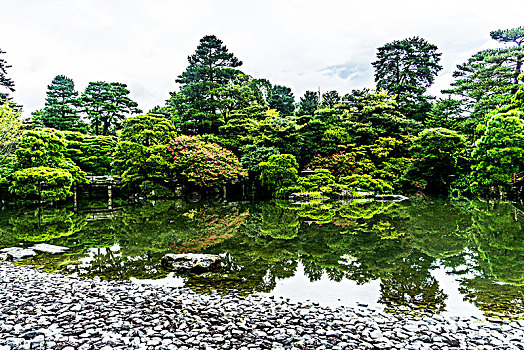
(394, 138)
(203, 164)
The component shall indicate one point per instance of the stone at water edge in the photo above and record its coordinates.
(49, 248)
(191, 262)
(18, 253)
(5, 257)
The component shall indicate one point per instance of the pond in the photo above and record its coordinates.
(420, 256)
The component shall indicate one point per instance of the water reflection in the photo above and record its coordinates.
(398, 250)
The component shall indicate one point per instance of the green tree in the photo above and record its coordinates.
(5, 82)
(254, 155)
(61, 106)
(46, 184)
(10, 128)
(308, 103)
(106, 104)
(142, 157)
(281, 98)
(405, 69)
(211, 68)
(46, 148)
(330, 99)
(498, 154)
(489, 78)
(371, 115)
(92, 153)
(281, 170)
(436, 152)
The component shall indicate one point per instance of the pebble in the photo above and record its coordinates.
(53, 311)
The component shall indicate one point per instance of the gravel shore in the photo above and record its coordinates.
(52, 311)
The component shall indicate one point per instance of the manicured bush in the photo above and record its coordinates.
(46, 184)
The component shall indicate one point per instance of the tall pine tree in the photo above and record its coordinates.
(106, 105)
(405, 69)
(61, 106)
(5, 82)
(211, 71)
(281, 98)
(308, 103)
(489, 79)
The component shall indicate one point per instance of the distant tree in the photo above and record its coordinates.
(447, 113)
(330, 99)
(61, 106)
(106, 104)
(406, 68)
(490, 78)
(375, 114)
(5, 82)
(308, 103)
(281, 98)
(211, 63)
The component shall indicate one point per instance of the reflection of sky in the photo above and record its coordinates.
(455, 303)
(325, 291)
(92, 253)
(349, 293)
(169, 281)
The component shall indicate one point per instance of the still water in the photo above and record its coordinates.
(420, 256)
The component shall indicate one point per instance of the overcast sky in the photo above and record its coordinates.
(302, 44)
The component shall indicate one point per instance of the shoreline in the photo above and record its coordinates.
(40, 310)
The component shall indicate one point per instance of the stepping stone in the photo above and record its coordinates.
(19, 253)
(49, 248)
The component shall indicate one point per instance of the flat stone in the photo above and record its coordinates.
(19, 253)
(49, 248)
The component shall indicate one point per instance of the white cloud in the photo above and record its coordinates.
(303, 44)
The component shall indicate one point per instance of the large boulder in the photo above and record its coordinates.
(191, 262)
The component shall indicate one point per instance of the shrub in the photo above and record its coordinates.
(47, 184)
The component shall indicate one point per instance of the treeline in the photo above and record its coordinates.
(223, 125)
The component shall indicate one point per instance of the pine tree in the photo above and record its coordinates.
(5, 82)
(61, 107)
(106, 104)
(330, 99)
(406, 69)
(281, 98)
(489, 79)
(210, 75)
(308, 103)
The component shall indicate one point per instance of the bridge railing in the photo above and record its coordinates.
(104, 180)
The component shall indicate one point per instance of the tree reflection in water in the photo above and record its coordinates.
(398, 244)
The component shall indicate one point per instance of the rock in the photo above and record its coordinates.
(41, 310)
(49, 248)
(18, 253)
(191, 262)
(5, 257)
(391, 197)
